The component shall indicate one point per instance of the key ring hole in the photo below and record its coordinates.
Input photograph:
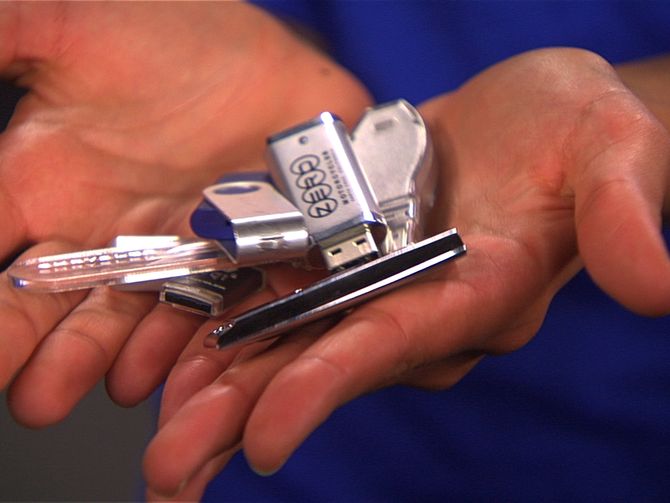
(237, 188)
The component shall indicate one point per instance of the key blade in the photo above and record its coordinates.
(118, 265)
(338, 292)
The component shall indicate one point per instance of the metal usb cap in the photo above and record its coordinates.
(315, 166)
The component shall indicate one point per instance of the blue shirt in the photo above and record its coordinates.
(582, 413)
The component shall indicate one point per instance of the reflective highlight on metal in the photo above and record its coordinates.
(211, 294)
(315, 167)
(338, 292)
(261, 225)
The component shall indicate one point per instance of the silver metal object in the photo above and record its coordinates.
(343, 188)
(315, 167)
(211, 294)
(394, 149)
(338, 292)
(158, 259)
(262, 225)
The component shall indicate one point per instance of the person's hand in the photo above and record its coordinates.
(548, 163)
(131, 110)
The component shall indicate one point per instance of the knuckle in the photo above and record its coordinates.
(512, 339)
(612, 118)
(407, 349)
(84, 336)
(330, 365)
(193, 362)
(230, 383)
(445, 373)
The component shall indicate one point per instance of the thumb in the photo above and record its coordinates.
(619, 196)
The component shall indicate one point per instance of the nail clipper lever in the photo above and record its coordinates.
(338, 292)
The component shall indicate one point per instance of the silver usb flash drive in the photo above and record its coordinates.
(315, 166)
(258, 225)
(211, 294)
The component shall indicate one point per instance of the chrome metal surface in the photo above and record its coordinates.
(338, 292)
(315, 167)
(264, 225)
(211, 294)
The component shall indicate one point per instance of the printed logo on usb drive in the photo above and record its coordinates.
(311, 179)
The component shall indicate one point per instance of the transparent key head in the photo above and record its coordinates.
(159, 259)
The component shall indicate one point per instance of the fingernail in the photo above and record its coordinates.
(159, 495)
(265, 472)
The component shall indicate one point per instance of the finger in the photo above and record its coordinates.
(195, 368)
(27, 316)
(150, 353)
(75, 355)
(195, 487)
(212, 421)
(378, 344)
(443, 374)
(198, 367)
(372, 347)
(14, 235)
(619, 196)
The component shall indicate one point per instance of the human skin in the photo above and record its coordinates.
(130, 113)
(547, 160)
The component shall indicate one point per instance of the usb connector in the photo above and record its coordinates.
(316, 168)
(211, 294)
(357, 247)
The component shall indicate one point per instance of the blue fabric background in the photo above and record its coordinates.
(582, 413)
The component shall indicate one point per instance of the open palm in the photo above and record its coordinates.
(131, 110)
(548, 163)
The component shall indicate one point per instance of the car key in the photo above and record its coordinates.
(338, 292)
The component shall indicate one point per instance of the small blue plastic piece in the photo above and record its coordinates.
(209, 223)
